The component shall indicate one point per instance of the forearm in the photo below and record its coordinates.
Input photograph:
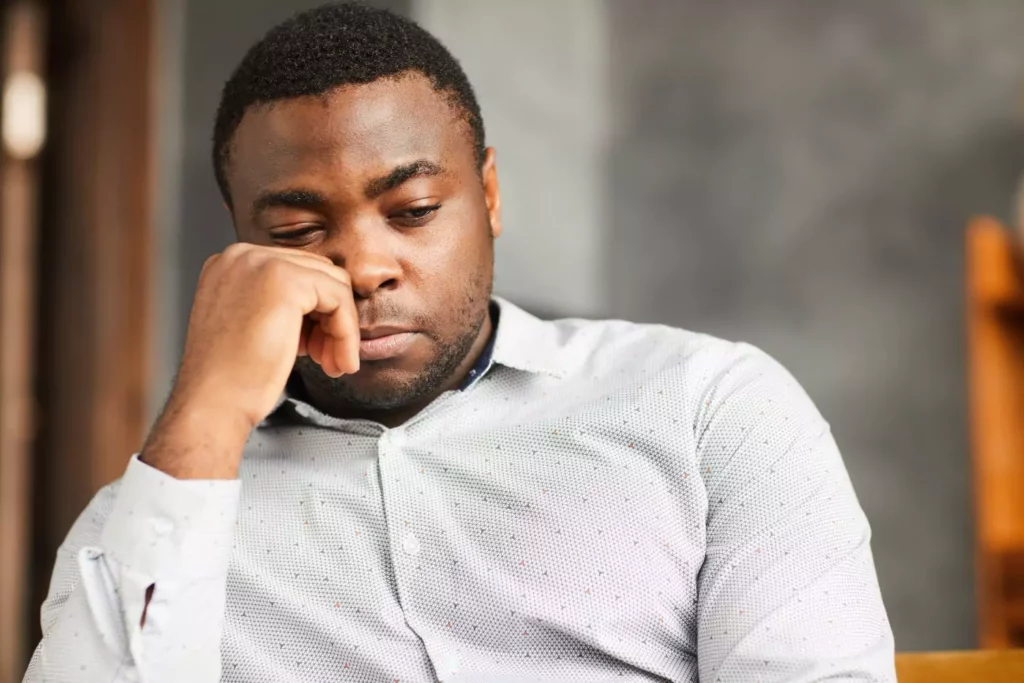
(193, 440)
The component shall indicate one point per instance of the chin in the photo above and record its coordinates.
(378, 385)
(404, 369)
(381, 376)
(415, 376)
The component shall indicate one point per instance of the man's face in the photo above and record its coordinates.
(383, 180)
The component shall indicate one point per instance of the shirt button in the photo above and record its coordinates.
(411, 544)
(162, 527)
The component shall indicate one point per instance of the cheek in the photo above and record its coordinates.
(453, 278)
(454, 252)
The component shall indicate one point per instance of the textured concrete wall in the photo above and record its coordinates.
(798, 174)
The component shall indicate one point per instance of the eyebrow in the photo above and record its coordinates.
(292, 199)
(298, 198)
(399, 175)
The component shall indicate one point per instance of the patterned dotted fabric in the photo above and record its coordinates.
(608, 502)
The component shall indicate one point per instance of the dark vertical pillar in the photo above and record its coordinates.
(94, 261)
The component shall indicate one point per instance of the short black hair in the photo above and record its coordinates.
(330, 46)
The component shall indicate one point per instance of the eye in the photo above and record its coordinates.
(296, 235)
(415, 216)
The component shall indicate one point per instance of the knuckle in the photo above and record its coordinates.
(275, 270)
(237, 250)
(318, 257)
(342, 283)
(210, 263)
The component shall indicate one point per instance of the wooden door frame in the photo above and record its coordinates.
(94, 265)
(23, 47)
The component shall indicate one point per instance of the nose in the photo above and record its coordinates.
(369, 258)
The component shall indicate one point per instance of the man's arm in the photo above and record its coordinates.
(139, 595)
(149, 535)
(788, 590)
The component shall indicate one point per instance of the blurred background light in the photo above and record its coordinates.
(24, 114)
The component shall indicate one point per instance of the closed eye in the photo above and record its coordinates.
(295, 236)
(415, 216)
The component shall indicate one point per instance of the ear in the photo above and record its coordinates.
(492, 193)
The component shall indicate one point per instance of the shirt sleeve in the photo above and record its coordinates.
(788, 590)
(148, 530)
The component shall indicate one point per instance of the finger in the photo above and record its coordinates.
(274, 251)
(327, 363)
(263, 252)
(321, 351)
(307, 327)
(335, 307)
(320, 293)
(341, 340)
(332, 302)
(315, 345)
(330, 364)
(343, 327)
(311, 261)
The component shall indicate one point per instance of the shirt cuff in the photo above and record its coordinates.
(171, 528)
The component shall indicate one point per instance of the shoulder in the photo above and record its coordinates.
(710, 367)
(722, 388)
(705, 381)
(651, 346)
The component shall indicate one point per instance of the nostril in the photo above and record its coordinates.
(365, 292)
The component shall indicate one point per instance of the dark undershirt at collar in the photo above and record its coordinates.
(484, 361)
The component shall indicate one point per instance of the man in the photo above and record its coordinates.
(370, 470)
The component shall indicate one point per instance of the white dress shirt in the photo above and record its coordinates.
(607, 502)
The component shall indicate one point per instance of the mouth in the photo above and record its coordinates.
(383, 342)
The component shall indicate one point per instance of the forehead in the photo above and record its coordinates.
(357, 130)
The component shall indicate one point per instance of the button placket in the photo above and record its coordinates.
(395, 490)
(410, 513)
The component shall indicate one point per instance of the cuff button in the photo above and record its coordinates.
(162, 527)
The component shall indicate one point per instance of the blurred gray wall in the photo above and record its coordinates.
(540, 72)
(798, 174)
(795, 173)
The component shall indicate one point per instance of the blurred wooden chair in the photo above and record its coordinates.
(995, 322)
(975, 666)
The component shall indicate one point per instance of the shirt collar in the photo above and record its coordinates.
(525, 342)
(521, 342)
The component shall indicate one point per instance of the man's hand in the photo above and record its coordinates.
(256, 308)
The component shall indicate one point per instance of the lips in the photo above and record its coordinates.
(383, 342)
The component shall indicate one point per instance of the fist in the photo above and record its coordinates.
(255, 309)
